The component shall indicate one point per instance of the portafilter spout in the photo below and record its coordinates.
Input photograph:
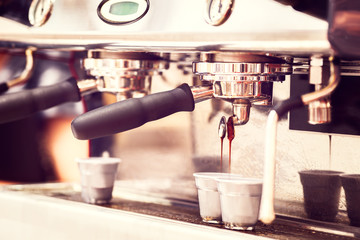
(241, 111)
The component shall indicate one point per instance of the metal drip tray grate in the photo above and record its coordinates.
(187, 211)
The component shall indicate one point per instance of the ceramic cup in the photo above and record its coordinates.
(98, 175)
(240, 201)
(351, 185)
(209, 199)
(321, 193)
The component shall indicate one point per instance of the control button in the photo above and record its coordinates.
(122, 11)
(218, 11)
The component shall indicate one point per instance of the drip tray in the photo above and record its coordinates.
(130, 212)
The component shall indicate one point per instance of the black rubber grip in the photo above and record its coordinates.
(16, 10)
(14, 106)
(3, 87)
(132, 113)
(316, 8)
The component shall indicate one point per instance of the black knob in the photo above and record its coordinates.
(18, 105)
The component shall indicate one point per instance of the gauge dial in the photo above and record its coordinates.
(122, 11)
(40, 11)
(218, 11)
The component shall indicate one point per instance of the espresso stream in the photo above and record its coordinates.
(229, 129)
(231, 135)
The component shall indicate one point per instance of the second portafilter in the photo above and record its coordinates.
(125, 74)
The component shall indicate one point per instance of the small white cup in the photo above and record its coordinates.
(98, 175)
(240, 201)
(209, 199)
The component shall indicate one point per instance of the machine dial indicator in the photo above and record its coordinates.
(218, 11)
(122, 11)
(40, 11)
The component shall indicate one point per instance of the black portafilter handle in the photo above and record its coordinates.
(18, 105)
(132, 113)
(3, 88)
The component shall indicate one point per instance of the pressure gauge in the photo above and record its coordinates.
(218, 11)
(40, 11)
(122, 11)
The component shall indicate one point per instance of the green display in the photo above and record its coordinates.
(124, 8)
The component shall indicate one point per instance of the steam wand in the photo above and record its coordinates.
(267, 212)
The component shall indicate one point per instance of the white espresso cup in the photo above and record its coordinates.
(98, 175)
(240, 201)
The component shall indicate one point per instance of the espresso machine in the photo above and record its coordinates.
(148, 81)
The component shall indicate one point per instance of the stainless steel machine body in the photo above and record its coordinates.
(236, 55)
